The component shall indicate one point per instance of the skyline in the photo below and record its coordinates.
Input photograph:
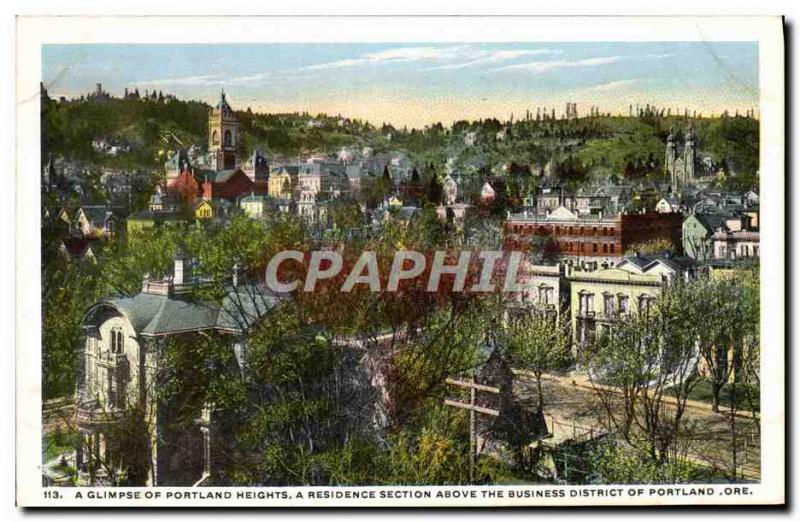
(418, 84)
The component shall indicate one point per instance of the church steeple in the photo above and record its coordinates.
(223, 134)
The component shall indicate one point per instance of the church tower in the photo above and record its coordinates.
(223, 134)
(669, 160)
(689, 156)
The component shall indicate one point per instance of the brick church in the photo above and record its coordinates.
(217, 174)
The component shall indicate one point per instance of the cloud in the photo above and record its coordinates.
(396, 55)
(613, 86)
(491, 57)
(544, 66)
(211, 79)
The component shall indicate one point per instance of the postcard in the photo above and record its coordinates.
(400, 262)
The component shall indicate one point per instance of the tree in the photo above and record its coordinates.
(730, 311)
(539, 342)
(643, 370)
(651, 247)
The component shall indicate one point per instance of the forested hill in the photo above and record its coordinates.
(590, 146)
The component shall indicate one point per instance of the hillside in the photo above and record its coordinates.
(588, 147)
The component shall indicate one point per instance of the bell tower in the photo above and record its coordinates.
(223, 134)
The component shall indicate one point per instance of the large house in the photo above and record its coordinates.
(120, 360)
(718, 235)
(598, 298)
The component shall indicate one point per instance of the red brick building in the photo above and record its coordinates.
(591, 235)
(231, 184)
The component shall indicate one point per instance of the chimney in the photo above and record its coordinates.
(236, 275)
(177, 273)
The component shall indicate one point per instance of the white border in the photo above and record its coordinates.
(33, 32)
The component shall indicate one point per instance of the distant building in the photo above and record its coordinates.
(679, 162)
(223, 135)
(230, 184)
(719, 235)
(597, 237)
(450, 188)
(254, 206)
(257, 167)
(488, 193)
(282, 181)
(668, 204)
(740, 244)
(96, 221)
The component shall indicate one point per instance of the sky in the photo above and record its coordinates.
(417, 84)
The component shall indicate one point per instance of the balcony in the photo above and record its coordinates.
(112, 360)
(90, 413)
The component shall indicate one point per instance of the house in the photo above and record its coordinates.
(203, 210)
(282, 181)
(667, 266)
(546, 290)
(319, 176)
(488, 193)
(739, 244)
(184, 186)
(94, 221)
(254, 206)
(699, 229)
(154, 218)
(118, 373)
(750, 198)
(598, 298)
(357, 177)
(668, 204)
(163, 211)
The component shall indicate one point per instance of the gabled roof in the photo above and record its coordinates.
(562, 213)
(712, 221)
(644, 264)
(222, 176)
(97, 214)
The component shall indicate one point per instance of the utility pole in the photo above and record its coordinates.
(472, 435)
(474, 409)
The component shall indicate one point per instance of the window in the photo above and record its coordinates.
(228, 138)
(623, 304)
(644, 304)
(117, 342)
(545, 295)
(215, 138)
(608, 305)
(586, 303)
